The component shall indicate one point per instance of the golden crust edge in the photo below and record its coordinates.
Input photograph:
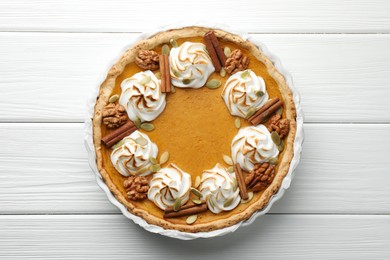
(163, 37)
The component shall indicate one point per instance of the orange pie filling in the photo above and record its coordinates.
(196, 129)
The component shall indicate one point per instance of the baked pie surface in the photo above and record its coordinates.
(197, 129)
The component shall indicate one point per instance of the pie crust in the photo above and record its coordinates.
(105, 92)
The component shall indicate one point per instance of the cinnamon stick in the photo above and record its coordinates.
(212, 53)
(263, 108)
(187, 206)
(185, 211)
(162, 72)
(240, 182)
(118, 134)
(217, 47)
(267, 113)
(167, 74)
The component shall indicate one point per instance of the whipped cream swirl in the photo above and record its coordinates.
(167, 185)
(190, 65)
(244, 90)
(141, 96)
(220, 189)
(253, 145)
(132, 158)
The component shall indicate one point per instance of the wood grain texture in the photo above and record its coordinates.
(344, 170)
(44, 170)
(271, 237)
(341, 78)
(53, 52)
(281, 16)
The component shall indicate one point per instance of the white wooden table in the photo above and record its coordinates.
(338, 52)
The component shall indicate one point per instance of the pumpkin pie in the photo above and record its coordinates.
(194, 129)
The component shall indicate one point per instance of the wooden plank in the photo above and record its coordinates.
(44, 169)
(274, 237)
(341, 78)
(281, 16)
(344, 170)
(52, 75)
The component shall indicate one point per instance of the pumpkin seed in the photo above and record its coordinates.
(275, 137)
(158, 75)
(227, 52)
(281, 146)
(186, 81)
(113, 98)
(177, 204)
(222, 73)
(213, 84)
(165, 49)
(228, 202)
(137, 122)
(173, 42)
(164, 157)
(237, 123)
(147, 126)
(211, 202)
(259, 93)
(175, 72)
(227, 159)
(251, 112)
(250, 197)
(234, 184)
(145, 80)
(118, 144)
(196, 192)
(197, 182)
(197, 201)
(245, 74)
(153, 160)
(143, 170)
(141, 141)
(230, 169)
(155, 167)
(273, 161)
(191, 219)
(280, 111)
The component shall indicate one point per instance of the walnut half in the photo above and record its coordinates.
(236, 62)
(260, 177)
(114, 115)
(147, 60)
(279, 125)
(136, 187)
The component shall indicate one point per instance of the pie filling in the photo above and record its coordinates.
(194, 130)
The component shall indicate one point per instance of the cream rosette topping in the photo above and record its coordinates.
(141, 96)
(253, 145)
(167, 185)
(220, 189)
(133, 156)
(190, 65)
(244, 90)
